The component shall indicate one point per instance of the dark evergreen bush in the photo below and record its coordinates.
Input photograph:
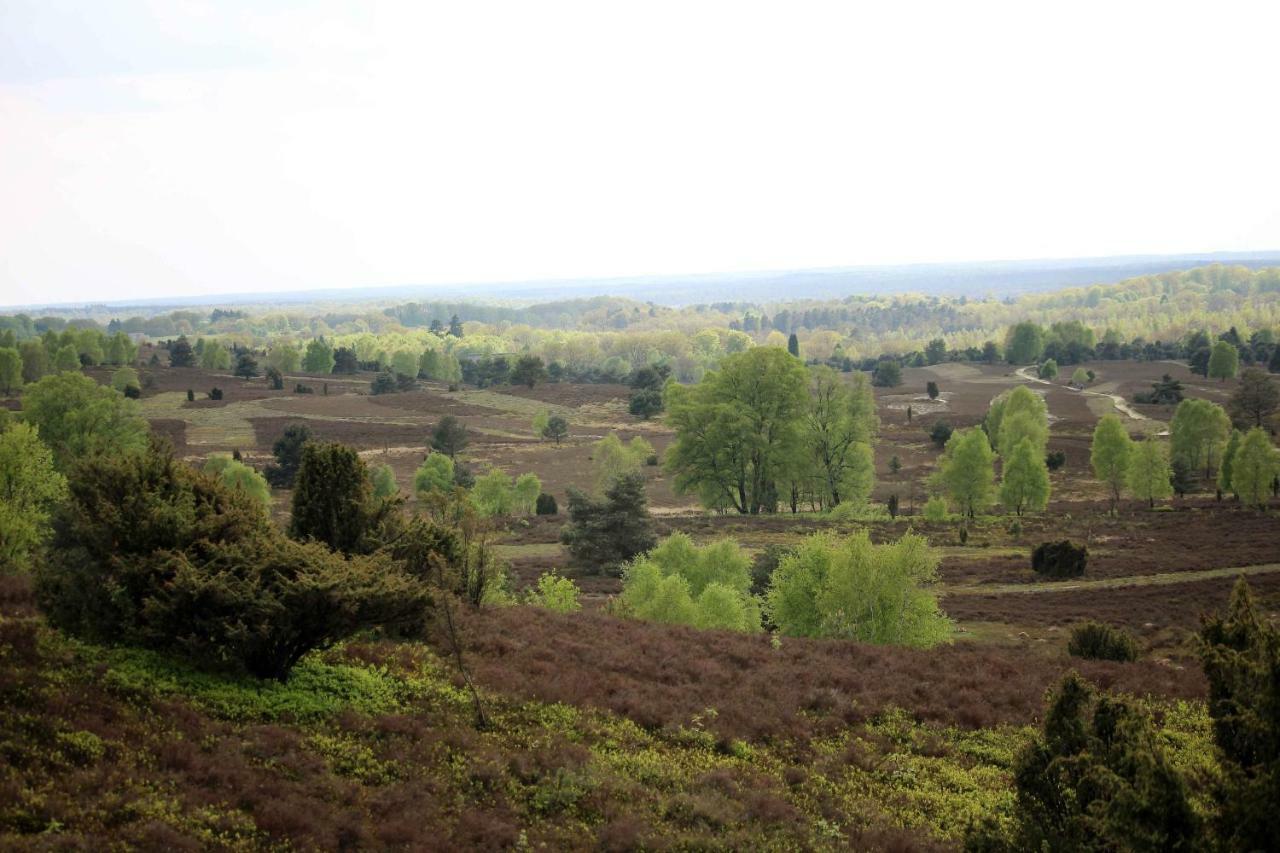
(1059, 559)
(215, 394)
(288, 453)
(1098, 641)
(1055, 459)
(546, 505)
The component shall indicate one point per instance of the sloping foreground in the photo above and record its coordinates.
(372, 746)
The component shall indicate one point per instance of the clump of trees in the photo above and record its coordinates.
(681, 583)
(77, 418)
(763, 431)
(849, 587)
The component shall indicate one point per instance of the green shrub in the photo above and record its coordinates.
(149, 552)
(849, 587)
(236, 475)
(1096, 641)
(546, 505)
(935, 509)
(555, 593)
(679, 582)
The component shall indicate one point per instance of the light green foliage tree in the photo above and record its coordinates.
(384, 481)
(1224, 361)
(1049, 369)
(10, 369)
(839, 426)
(214, 356)
(848, 587)
(1025, 411)
(284, 357)
(679, 582)
(1228, 460)
(1110, 454)
(30, 487)
(237, 475)
(556, 593)
(120, 350)
(77, 417)
(1150, 477)
(967, 471)
(611, 458)
(526, 491)
(318, 357)
(405, 363)
(1024, 343)
(125, 377)
(434, 476)
(1024, 483)
(737, 428)
(539, 424)
(66, 359)
(493, 493)
(1256, 467)
(934, 509)
(1198, 431)
(1080, 377)
(35, 360)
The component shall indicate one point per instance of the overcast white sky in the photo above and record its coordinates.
(177, 148)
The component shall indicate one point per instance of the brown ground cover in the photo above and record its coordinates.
(662, 676)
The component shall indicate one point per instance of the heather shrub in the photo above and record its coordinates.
(849, 587)
(1059, 559)
(1098, 641)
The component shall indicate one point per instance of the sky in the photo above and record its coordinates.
(152, 149)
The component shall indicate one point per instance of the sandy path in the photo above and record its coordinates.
(1116, 400)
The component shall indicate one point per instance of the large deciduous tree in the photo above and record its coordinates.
(1254, 468)
(840, 424)
(1150, 477)
(1224, 361)
(737, 429)
(1024, 479)
(77, 417)
(1198, 431)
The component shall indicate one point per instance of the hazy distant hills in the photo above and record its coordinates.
(999, 278)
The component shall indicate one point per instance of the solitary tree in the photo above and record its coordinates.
(246, 366)
(931, 388)
(968, 471)
(1150, 477)
(557, 429)
(1110, 455)
(1049, 369)
(450, 436)
(793, 345)
(604, 534)
(1198, 431)
(840, 425)
(181, 354)
(1256, 399)
(288, 453)
(1024, 343)
(1024, 483)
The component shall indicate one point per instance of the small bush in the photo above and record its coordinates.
(555, 593)
(191, 395)
(133, 392)
(935, 509)
(1055, 459)
(1059, 559)
(303, 389)
(1098, 641)
(215, 393)
(546, 505)
(941, 434)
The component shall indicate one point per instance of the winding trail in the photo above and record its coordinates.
(1159, 579)
(1116, 400)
